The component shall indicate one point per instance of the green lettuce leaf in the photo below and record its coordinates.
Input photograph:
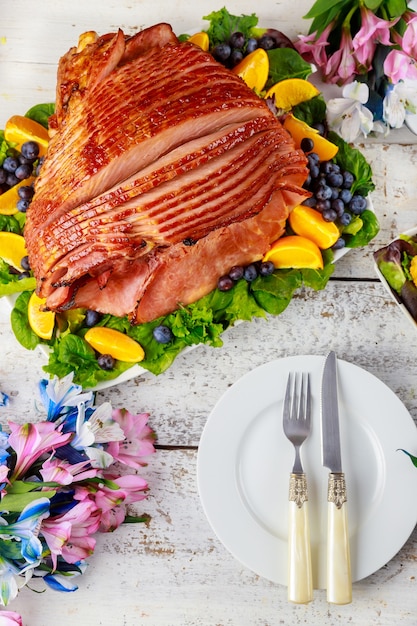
(223, 24)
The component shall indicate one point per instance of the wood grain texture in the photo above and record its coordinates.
(174, 571)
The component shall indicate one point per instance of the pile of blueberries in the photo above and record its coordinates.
(331, 189)
(17, 168)
(232, 51)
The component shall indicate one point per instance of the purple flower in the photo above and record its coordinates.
(341, 67)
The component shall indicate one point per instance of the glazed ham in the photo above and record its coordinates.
(163, 171)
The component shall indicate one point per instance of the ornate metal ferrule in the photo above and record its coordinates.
(337, 489)
(298, 489)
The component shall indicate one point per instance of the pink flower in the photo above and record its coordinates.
(409, 40)
(373, 30)
(64, 473)
(10, 618)
(138, 440)
(69, 534)
(399, 66)
(30, 441)
(341, 66)
(314, 50)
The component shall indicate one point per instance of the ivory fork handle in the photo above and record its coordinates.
(300, 578)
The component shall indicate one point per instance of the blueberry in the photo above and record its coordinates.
(307, 144)
(3, 176)
(266, 42)
(236, 273)
(25, 263)
(314, 170)
(26, 192)
(348, 179)
(329, 215)
(251, 45)
(222, 52)
(22, 275)
(324, 193)
(92, 318)
(162, 334)
(10, 164)
(340, 243)
(326, 167)
(335, 179)
(311, 202)
(235, 57)
(30, 150)
(23, 205)
(23, 171)
(225, 283)
(237, 40)
(266, 268)
(323, 205)
(345, 195)
(338, 206)
(320, 128)
(358, 204)
(106, 362)
(345, 218)
(250, 273)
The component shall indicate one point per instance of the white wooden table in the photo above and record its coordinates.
(175, 571)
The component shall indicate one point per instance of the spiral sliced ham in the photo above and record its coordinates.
(163, 171)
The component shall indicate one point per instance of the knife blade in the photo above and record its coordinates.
(339, 581)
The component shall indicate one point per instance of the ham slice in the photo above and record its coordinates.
(163, 171)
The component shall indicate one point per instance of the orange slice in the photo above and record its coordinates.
(12, 249)
(254, 69)
(20, 129)
(290, 92)
(300, 130)
(41, 322)
(295, 252)
(118, 345)
(201, 40)
(309, 223)
(10, 198)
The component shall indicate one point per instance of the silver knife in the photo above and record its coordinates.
(339, 580)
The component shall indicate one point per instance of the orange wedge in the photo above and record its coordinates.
(20, 129)
(201, 40)
(10, 198)
(295, 252)
(12, 249)
(41, 322)
(254, 69)
(290, 92)
(300, 130)
(309, 223)
(118, 345)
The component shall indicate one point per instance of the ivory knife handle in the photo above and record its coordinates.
(300, 578)
(339, 580)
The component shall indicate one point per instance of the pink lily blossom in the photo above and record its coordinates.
(138, 441)
(341, 66)
(373, 30)
(64, 473)
(10, 618)
(69, 534)
(399, 66)
(314, 50)
(30, 441)
(409, 39)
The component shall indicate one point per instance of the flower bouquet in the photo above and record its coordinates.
(62, 480)
(369, 48)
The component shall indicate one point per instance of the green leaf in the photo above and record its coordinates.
(412, 457)
(137, 519)
(353, 160)
(17, 502)
(20, 323)
(41, 113)
(311, 111)
(368, 231)
(323, 6)
(373, 5)
(395, 8)
(286, 63)
(12, 223)
(223, 24)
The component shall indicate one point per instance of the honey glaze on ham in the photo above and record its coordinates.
(163, 171)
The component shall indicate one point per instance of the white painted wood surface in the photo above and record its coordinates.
(175, 571)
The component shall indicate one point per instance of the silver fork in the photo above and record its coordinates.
(296, 421)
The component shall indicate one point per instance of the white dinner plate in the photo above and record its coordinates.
(244, 462)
